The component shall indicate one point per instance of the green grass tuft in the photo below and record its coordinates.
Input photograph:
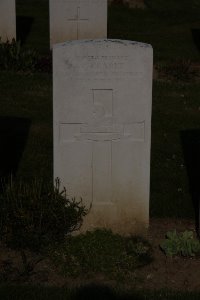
(102, 252)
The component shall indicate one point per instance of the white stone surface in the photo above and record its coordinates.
(77, 19)
(102, 129)
(7, 20)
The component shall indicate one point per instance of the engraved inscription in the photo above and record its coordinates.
(102, 66)
(111, 62)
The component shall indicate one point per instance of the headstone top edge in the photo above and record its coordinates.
(100, 41)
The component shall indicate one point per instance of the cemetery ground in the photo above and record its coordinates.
(173, 29)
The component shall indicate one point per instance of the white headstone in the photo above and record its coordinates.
(77, 19)
(102, 129)
(7, 20)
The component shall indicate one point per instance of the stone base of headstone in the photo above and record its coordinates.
(119, 220)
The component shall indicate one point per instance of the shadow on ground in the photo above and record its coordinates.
(102, 292)
(23, 25)
(13, 137)
(196, 37)
(191, 149)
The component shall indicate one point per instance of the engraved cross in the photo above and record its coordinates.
(77, 18)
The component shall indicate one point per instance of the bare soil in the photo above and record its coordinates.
(178, 273)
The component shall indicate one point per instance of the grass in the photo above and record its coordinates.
(102, 252)
(175, 109)
(33, 24)
(89, 292)
(29, 98)
(166, 25)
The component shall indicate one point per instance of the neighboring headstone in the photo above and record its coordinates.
(77, 19)
(7, 20)
(102, 129)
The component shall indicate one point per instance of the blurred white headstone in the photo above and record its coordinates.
(7, 20)
(77, 19)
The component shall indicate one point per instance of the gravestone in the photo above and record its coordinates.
(102, 129)
(77, 19)
(7, 20)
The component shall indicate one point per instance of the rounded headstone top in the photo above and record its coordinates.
(105, 42)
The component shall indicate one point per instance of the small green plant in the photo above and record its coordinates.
(182, 243)
(102, 251)
(35, 215)
(13, 57)
(44, 63)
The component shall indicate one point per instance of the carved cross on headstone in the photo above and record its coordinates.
(102, 131)
(78, 19)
